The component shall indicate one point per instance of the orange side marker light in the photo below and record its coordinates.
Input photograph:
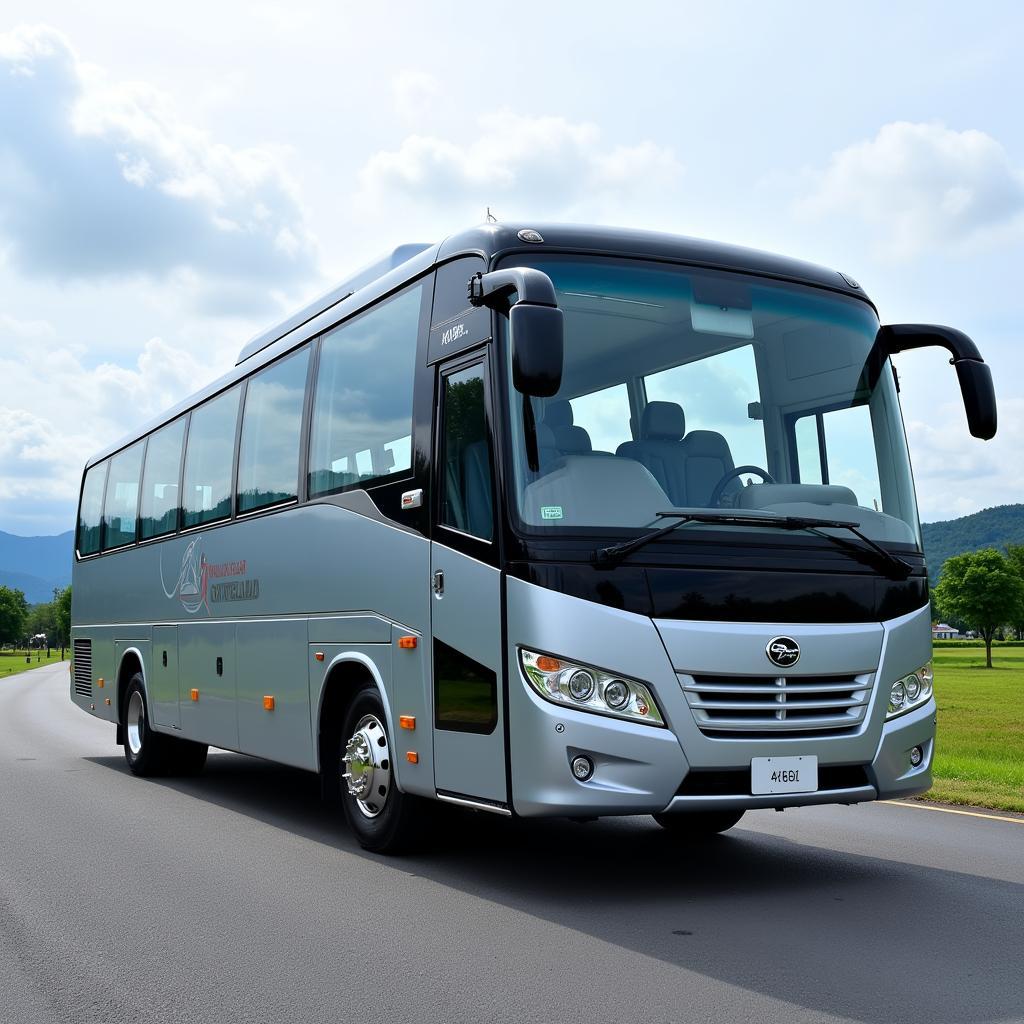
(407, 721)
(412, 757)
(407, 643)
(319, 655)
(194, 694)
(546, 664)
(268, 703)
(100, 683)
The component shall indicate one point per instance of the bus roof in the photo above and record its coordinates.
(491, 241)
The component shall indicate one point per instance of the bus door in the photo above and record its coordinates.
(469, 736)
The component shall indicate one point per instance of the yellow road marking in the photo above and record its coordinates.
(951, 810)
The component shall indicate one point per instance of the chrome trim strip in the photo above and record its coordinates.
(475, 804)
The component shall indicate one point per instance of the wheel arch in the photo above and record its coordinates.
(347, 674)
(132, 662)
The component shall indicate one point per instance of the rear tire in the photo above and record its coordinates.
(700, 824)
(382, 817)
(151, 753)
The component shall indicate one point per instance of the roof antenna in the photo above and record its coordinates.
(491, 219)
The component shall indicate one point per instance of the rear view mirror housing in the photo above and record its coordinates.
(974, 375)
(536, 324)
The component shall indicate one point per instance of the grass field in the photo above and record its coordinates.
(979, 756)
(12, 662)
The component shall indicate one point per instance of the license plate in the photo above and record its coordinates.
(783, 774)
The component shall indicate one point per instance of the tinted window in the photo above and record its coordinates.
(208, 460)
(91, 510)
(159, 513)
(268, 460)
(465, 692)
(120, 507)
(362, 414)
(466, 459)
(454, 323)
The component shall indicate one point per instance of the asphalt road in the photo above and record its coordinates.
(237, 897)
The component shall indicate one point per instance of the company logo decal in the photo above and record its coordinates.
(453, 334)
(783, 651)
(197, 585)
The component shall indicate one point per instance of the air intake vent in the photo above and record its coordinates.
(83, 668)
(751, 706)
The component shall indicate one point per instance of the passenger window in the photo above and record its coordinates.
(465, 455)
(121, 504)
(604, 415)
(90, 511)
(268, 459)
(160, 503)
(362, 409)
(209, 455)
(465, 692)
(831, 450)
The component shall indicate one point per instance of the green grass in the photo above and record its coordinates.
(979, 752)
(12, 662)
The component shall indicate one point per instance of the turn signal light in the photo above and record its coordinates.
(546, 664)
(412, 757)
(319, 655)
(407, 721)
(100, 683)
(268, 703)
(407, 643)
(194, 694)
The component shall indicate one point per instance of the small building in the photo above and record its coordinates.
(943, 631)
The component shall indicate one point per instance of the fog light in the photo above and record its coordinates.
(581, 685)
(916, 756)
(616, 693)
(582, 767)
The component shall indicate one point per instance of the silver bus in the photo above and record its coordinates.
(539, 521)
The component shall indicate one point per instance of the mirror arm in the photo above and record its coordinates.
(533, 287)
(903, 337)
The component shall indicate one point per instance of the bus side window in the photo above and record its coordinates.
(466, 503)
(209, 457)
(362, 407)
(90, 511)
(159, 512)
(120, 505)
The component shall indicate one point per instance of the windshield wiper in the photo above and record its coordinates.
(893, 566)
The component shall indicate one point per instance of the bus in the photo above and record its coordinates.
(539, 520)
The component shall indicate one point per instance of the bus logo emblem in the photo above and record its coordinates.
(783, 651)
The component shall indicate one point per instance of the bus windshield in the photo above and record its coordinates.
(688, 388)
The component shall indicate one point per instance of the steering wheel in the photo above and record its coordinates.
(716, 494)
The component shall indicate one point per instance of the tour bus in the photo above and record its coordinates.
(540, 520)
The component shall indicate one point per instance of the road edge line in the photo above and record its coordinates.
(953, 810)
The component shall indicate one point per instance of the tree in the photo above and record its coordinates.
(13, 615)
(62, 614)
(42, 618)
(981, 588)
(1015, 556)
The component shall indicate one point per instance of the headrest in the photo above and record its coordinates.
(572, 440)
(662, 421)
(708, 444)
(558, 414)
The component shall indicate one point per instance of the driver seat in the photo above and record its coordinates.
(706, 459)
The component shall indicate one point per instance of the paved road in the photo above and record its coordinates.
(236, 897)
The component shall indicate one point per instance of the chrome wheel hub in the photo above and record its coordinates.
(136, 721)
(366, 766)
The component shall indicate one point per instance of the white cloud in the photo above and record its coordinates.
(103, 179)
(415, 93)
(543, 166)
(917, 186)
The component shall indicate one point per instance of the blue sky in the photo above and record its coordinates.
(175, 177)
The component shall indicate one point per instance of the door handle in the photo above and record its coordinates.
(220, 666)
(438, 582)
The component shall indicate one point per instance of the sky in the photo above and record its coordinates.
(174, 178)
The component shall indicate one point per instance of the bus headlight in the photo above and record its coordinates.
(910, 691)
(589, 689)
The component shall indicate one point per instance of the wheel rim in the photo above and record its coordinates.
(366, 766)
(136, 722)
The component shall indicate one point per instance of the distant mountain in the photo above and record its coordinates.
(989, 528)
(36, 564)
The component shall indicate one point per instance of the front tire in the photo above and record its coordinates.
(382, 817)
(700, 824)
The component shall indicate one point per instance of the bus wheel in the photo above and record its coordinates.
(144, 750)
(700, 823)
(383, 818)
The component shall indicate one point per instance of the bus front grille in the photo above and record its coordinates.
(83, 667)
(752, 706)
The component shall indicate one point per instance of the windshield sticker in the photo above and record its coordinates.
(551, 512)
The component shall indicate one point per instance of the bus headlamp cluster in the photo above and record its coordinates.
(910, 691)
(589, 689)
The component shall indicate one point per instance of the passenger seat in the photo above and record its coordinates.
(569, 439)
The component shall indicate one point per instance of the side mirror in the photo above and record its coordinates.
(974, 375)
(536, 324)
